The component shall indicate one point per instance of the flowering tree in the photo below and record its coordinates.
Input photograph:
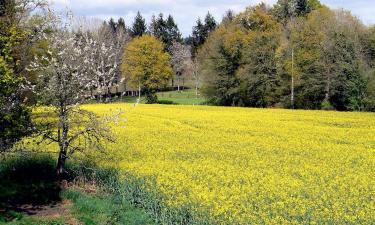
(181, 60)
(103, 51)
(64, 81)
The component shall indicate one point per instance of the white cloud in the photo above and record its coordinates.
(186, 12)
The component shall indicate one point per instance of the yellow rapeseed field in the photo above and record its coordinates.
(252, 166)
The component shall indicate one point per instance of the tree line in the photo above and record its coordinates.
(295, 54)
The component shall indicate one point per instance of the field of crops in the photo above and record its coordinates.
(242, 166)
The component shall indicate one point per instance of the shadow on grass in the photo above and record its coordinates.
(27, 185)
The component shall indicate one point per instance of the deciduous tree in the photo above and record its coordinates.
(147, 65)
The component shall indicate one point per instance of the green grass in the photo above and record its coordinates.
(104, 209)
(30, 180)
(183, 97)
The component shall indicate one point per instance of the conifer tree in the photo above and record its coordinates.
(139, 27)
(121, 26)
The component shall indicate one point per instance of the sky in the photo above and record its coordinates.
(186, 12)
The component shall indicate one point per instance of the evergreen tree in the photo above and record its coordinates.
(173, 31)
(209, 25)
(121, 25)
(198, 36)
(165, 30)
(139, 27)
(112, 25)
(158, 27)
(202, 30)
(285, 9)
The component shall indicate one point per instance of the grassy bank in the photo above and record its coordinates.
(30, 194)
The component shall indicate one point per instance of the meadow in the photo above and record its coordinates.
(183, 97)
(240, 166)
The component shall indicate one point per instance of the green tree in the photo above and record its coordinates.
(202, 31)
(15, 118)
(147, 65)
(238, 60)
(286, 9)
(220, 58)
(165, 30)
(198, 38)
(173, 31)
(15, 45)
(112, 25)
(259, 81)
(139, 27)
(328, 61)
(121, 26)
(210, 24)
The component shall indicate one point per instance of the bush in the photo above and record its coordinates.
(151, 98)
(166, 102)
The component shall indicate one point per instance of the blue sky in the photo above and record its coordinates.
(186, 12)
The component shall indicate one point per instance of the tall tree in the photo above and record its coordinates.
(238, 60)
(147, 65)
(286, 9)
(209, 24)
(139, 27)
(198, 36)
(258, 76)
(181, 61)
(165, 30)
(121, 26)
(18, 22)
(112, 25)
(64, 80)
(202, 30)
(328, 62)
(173, 31)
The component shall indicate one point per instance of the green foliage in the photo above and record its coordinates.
(238, 60)
(307, 56)
(147, 65)
(104, 209)
(151, 97)
(202, 31)
(286, 9)
(165, 30)
(369, 100)
(139, 26)
(14, 116)
(327, 60)
(121, 24)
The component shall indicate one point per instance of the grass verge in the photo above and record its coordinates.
(31, 195)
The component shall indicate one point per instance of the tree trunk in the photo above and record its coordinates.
(60, 169)
(292, 87)
(178, 85)
(63, 142)
(139, 92)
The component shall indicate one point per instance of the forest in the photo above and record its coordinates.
(295, 54)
